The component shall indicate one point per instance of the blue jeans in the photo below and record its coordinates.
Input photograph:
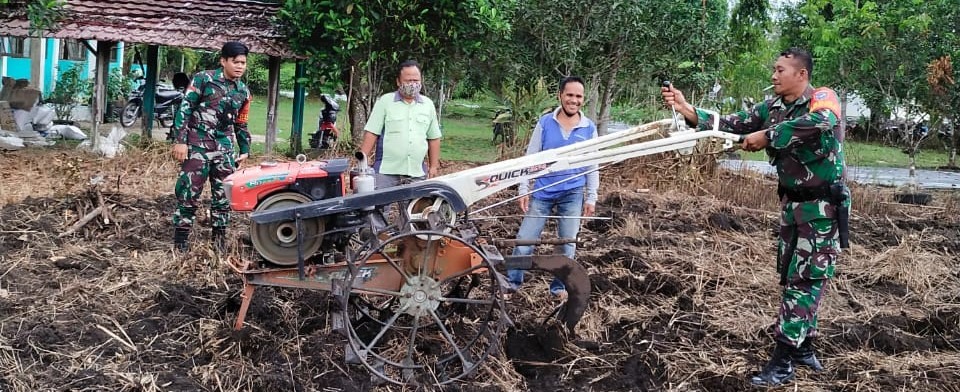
(567, 204)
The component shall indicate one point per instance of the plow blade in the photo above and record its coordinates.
(573, 276)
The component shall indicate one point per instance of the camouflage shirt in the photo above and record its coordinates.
(214, 109)
(806, 146)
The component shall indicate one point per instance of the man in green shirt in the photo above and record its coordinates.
(404, 129)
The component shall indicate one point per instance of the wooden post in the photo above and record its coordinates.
(273, 89)
(99, 88)
(299, 95)
(37, 61)
(149, 93)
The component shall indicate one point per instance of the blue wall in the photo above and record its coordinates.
(18, 67)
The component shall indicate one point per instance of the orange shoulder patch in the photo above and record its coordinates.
(244, 113)
(825, 98)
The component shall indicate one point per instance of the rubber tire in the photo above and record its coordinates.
(131, 107)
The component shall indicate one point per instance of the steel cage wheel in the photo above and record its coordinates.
(438, 328)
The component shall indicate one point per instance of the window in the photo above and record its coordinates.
(16, 47)
(71, 49)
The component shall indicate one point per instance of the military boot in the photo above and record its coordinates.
(219, 239)
(180, 236)
(806, 355)
(779, 370)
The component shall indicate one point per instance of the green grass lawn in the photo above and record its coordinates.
(869, 154)
(258, 117)
(467, 139)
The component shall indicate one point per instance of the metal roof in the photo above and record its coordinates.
(202, 24)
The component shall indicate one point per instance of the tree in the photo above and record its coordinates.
(874, 48)
(615, 42)
(942, 98)
(883, 50)
(44, 15)
(752, 51)
(357, 45)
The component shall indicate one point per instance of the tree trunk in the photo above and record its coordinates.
(608, 91)
(359, 106)
(843, 114)
(593, 97)
(358, 116)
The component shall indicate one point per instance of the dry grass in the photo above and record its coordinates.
(684, 292)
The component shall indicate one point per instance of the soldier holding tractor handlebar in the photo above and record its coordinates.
(800, 132)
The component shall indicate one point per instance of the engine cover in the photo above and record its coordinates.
(315, 179)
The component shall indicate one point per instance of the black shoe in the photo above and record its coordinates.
(806, 355)
(779, 370)
(180, 236)
(219, 239)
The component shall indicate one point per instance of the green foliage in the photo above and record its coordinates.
(618, 46)
(747, 65)
(172, 58)
(749, 25)
(118, 85)
(634, 114)
(257, 75)
(45, 15)
(341, 35)
(526, 103)
(70, 90)
(883, 50)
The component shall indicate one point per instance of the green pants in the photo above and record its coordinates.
(198, 168)
(806, 259)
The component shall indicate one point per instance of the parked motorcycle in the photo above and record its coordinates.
(166, 102)
(503, 126)
(326, 134)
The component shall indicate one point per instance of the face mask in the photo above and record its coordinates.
(410, 89)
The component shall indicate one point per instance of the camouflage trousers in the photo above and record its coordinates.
(806, 260)
(198, 168)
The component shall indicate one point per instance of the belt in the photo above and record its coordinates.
(805, 193)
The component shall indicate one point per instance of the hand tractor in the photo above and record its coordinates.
(419, 297)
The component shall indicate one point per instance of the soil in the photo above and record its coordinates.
(684, 296)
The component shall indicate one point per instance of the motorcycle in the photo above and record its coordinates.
(503, 126)
(327, 133)
(166, 102)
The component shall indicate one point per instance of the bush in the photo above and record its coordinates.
(118, 86)
(257, 76)
(70, 90)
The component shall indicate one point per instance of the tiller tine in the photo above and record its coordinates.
(573, 276)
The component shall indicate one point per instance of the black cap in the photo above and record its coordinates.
(233, 49)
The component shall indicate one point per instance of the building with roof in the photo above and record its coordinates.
(56, 55)
(104, 26)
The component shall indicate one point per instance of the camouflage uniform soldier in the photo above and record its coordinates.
(800, 132)
(214, 110)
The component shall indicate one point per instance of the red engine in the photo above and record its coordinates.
(273, 185)
(314, 179)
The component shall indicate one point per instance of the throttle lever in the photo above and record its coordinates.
(676, 123)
